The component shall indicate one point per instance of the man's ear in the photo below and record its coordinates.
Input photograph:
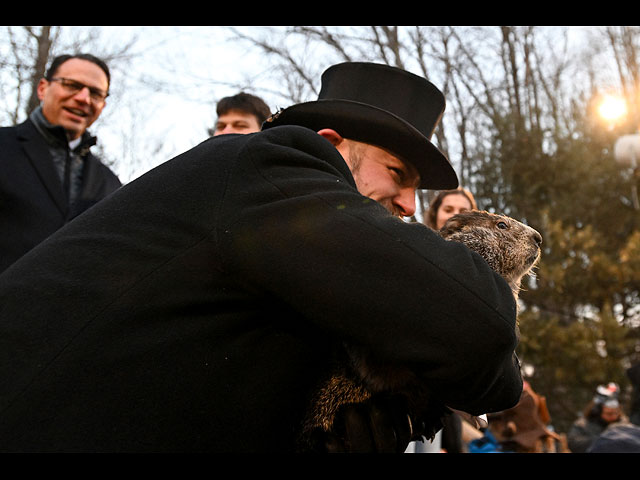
(332, 136)
(41, 88)
(340, 143)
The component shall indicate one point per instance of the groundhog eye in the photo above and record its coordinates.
(502, 225)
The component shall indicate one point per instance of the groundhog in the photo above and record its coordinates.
(511, 248)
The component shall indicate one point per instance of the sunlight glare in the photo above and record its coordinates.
(612, 108)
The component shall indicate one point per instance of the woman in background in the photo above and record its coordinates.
(447, 204)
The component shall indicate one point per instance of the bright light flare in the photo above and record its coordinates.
(612, 108)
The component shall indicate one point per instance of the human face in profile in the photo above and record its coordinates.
(379, 174)
(385, 178)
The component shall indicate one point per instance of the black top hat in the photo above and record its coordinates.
(380, 105)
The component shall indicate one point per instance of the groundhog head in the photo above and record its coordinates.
(510, 248)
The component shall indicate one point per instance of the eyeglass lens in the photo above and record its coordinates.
(74, 86)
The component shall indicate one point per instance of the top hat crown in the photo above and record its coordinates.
(383, 106)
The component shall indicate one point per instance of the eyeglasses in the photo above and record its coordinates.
(72, 86)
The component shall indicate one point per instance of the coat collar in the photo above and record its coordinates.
(56, 136)
(37, 135)
(37, 152)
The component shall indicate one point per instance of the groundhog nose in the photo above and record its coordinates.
(537, 238)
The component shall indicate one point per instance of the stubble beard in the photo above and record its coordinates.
(356, 152)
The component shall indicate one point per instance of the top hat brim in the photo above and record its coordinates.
(372, 125)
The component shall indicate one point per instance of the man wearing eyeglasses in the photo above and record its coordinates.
(48, 176)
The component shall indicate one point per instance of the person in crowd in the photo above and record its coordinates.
(526, 428)
(618, 438)
(603, 411)
(240, 113)
(447, 204)
(199, 307)
(48, 174)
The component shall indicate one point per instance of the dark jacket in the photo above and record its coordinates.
(193, 309)
(33, 203)
(583, 432)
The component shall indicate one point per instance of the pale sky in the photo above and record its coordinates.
(196, 66)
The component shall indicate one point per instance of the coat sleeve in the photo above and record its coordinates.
(304, 236)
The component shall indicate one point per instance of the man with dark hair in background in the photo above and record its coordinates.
(240, 113)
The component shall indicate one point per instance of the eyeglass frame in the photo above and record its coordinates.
(74, 85)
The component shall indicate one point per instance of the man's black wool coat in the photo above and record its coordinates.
(192, 309)
(33, 203)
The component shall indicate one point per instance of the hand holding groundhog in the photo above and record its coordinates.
(346, 413)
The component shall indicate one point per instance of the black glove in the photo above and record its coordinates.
(378, 425)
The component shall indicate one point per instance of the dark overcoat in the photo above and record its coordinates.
(193, 309)
(33, 203)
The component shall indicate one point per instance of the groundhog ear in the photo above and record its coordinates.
(454, 224)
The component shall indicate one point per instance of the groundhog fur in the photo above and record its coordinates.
(511, 249)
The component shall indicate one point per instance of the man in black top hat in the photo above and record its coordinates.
(197, 308)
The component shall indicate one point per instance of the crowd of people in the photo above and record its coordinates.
(603, 427)
(197, 307)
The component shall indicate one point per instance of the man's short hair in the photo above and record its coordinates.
(244, 102)
(59, 60)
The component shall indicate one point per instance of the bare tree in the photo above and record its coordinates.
(625, 47)
(43, 42)
(25, 62)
